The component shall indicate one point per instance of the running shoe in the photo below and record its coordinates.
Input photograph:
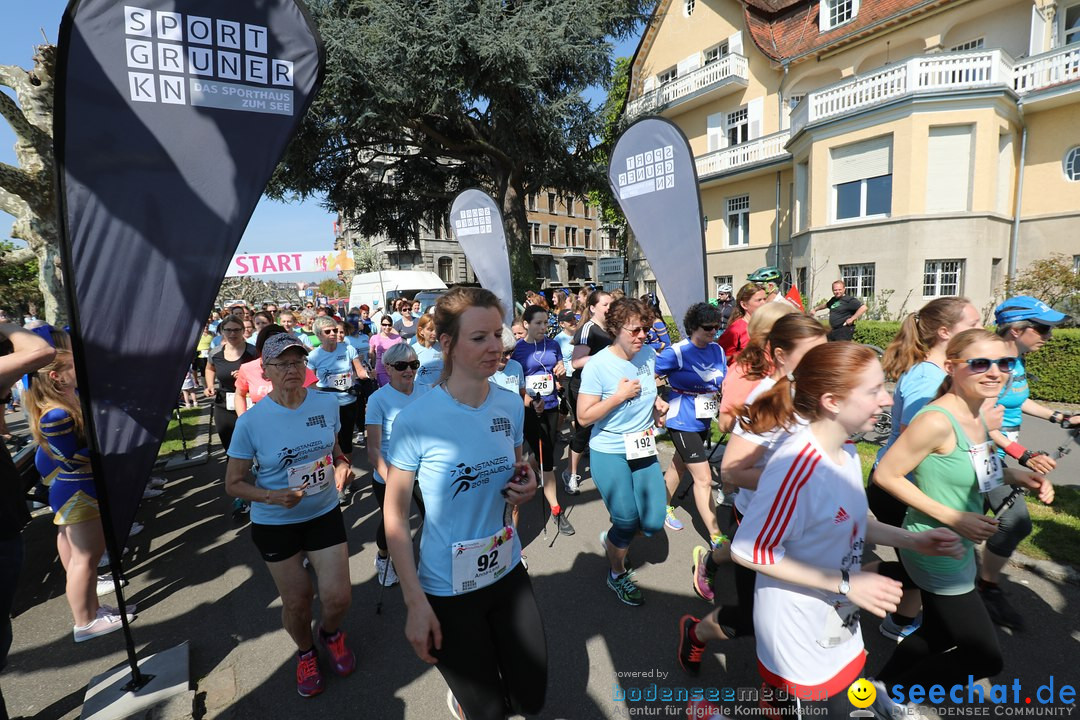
(103, 624)
(110, 610)
(563, 525)
(104, 561)
(240, 507)
(105, 585)
(309, 681)
(384, 569)
(572, 483)
(343, 497)
(894, 631)
(342, 658)
(1001, 611)
(670, 521)
(454, 706)
(136, 528)
(151, 492)
(690, 652)
(624, 588)
(703, 582)
(524, 562)
(157, 482)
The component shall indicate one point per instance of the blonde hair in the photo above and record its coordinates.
(756, 358)
(44, 394)
(919, 334)
(448, 311)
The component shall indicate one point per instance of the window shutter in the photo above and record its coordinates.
(754, 110)
(650, 84)
(715, 132)
(735, 43)
(862, 160)
(948, 169)
(1037, 40)
(689, 65)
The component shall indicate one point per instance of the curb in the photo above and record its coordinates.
(1048, 569)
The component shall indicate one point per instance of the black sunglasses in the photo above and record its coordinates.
(981, 365)
(403, 366)
(1041, 329)
(387, 324)
(709, 328)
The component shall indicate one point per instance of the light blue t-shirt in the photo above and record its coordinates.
(601, 378)
(278, 438)
(334, 370)
(566, 349)
(511, 377)
(361, 343)
(1013, 395)
(691, 371)
(383, 408)
(914, 389)
(431, 363)
(463, 457)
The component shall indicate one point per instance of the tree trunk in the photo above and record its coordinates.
(516, 224)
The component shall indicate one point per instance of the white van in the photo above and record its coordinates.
(374, 288)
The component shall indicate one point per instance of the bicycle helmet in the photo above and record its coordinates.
(765, 275)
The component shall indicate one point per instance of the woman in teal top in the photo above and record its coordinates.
(948, 451)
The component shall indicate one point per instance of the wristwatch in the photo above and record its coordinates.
(844, 584)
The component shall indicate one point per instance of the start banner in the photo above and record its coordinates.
(279, 263)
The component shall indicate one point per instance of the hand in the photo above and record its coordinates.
(974, 526)
(1042, 464)
(992, 414)
(342, 475)
(939, 541)
(660, 411)
(1038, 483)
(875, 593)
(560, 369)
(423, 631)
(628, 389)
(522, 486)
(209, 392)
(1072, 421)
(235, 373)
(288, 498)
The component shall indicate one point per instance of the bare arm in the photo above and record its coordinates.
(374, 450)
(29, 353)
(239, 485)
(580, 357)
(210, 375)
(590, 408)
(738, 464)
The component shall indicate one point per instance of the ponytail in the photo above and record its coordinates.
(919, 333)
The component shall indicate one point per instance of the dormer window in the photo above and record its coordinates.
(834, 13)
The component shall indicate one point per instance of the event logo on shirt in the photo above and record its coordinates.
(287, 456)
(467, 477)
(173, 59)
(501, 424)
(319, 420)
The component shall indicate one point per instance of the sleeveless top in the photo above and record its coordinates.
(950, 480)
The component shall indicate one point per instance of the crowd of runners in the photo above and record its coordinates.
(462, 417)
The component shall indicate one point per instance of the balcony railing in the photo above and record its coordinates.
(727, 69)
(742, 155)
(936, 73)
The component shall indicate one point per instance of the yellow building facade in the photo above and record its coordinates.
(914, 148)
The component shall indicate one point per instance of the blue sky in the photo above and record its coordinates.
(274, 226)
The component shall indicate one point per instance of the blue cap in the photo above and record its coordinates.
(1025, 307)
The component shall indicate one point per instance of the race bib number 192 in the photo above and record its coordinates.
(640, 444)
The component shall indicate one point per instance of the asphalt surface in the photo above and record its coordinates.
(196, 577)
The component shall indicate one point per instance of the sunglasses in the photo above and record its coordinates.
(403, 366)
(333, 332)
(709, 328)
(981, 365)
(637, 330)
(387, 324)
(1041, 329)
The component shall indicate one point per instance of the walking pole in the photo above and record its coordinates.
(543, 500)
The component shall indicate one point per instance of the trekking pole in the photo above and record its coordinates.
(540, 484)
(180, 427)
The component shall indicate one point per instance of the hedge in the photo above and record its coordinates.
(1054, 370)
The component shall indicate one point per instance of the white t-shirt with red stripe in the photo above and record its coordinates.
(810, 509)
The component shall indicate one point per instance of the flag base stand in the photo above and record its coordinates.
(109, 697)
(179, 463)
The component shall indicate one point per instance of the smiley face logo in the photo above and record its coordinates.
(861, 693)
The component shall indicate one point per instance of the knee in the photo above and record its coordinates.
(1014, 526)
(621, 534)
(336, 601)
(297, 604)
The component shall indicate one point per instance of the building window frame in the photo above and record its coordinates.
(570, 206)
(1070, 164)
(719, 280)
(445, 266)
(943, 278)
(666, 76)
(1070, 35)
(859, 279)
(536, 235)
(867, 189)
(738, 126)
(737, 221)
(834, 13)
(552, 204)
(587, 238)
(532, 201)
(553, 235)
(716, 53)
(570, 235)
(688, 7)
(976, 44)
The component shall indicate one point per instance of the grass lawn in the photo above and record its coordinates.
(1055, 533)
(172, 442)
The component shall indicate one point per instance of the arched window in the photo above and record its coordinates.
(1072, 164)
(688, 7)
(446, 269)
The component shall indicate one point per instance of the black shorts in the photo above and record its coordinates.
(281, 542)
(691, 445)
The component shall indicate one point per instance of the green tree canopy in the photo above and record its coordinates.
(424, 99)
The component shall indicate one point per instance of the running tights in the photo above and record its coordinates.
(494, 653)
(956, 639)
(225, 422)
(541, 433)
(634, 493)
(347, 416)
(579, 439)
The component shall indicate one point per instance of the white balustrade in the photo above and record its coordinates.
(729, 67)
(738, 156)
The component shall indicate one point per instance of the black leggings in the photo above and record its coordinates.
(579, 440)
(886, 508)
(736, 620)
(225, 422)
(347, 416)
(956, 639)
(379, 489)
(367, 387)
(541, 432)
(494, 653)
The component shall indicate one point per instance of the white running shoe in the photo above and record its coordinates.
(572, 483)
(105, 585)
(157, 482)
(384, 568)
(103, 624)
(151, 492)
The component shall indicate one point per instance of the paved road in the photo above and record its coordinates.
(196, 576)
